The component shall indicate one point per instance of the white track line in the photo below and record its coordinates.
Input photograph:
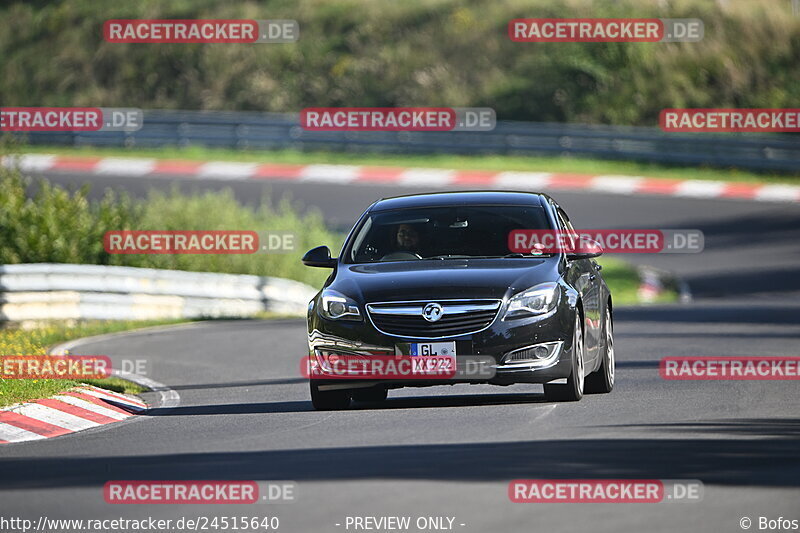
(616, 184)
(11, 433)
(125, 167)
(55, 417)
(523, 180)
(30, 162)
(425, 177)
(168, 398)
(93, 407)
(700, 188)
(227, 171)
(778, 193)
(418, 177)
(330, 173)
(137, 406)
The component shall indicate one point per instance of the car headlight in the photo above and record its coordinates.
(534, 301)
(336, 306)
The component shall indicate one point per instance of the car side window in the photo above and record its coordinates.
(565, 224)
(564, 220)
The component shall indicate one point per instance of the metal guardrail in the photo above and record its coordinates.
(776, 152)
(45, 291)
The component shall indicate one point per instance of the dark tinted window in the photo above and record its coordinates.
(442, 232)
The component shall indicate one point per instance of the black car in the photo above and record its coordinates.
(432, 274)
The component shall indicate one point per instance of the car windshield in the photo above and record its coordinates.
(442, 232)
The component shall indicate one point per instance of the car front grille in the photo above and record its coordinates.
(458, 317)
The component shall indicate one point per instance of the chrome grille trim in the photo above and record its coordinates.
(416, 309)
(461, 316)
(318, 340)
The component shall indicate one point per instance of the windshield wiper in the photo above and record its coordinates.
(449, 256)
(518, 254)
(513, 256)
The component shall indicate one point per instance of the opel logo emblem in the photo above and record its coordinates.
(432, 312)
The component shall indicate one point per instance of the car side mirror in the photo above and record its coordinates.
(588, 249)
(319, 257)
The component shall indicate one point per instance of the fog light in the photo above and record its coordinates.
(539, 354)
(329, 360)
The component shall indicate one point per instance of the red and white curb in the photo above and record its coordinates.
(411, 177)
(80, 408)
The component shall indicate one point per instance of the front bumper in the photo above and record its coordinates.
(495, 344)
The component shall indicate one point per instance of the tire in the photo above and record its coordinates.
(602, 380)
(572, 391)
(329, 400)
(371, 395)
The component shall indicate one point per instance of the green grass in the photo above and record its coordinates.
(116, 385)
(461, 162)
(37, 341)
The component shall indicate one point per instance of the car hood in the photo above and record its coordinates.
(442, 279)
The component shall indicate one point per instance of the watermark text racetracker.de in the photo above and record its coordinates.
(191, 31)
(730, 368)
(632, 241)
(199, 492)
(68, 366)
(605, 490)
(398, 119)
(24, 119)
(198, 242)
(727, 120)
(607, 30)
(55, 366)
(325, 364)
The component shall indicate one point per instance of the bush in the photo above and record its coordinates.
(410, 53)
(54, 225)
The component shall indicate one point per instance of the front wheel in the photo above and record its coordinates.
(572, 391)
(329, 400)
(602, 380)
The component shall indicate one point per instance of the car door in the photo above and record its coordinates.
(588, 284)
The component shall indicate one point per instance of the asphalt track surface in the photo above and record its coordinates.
(451, 451)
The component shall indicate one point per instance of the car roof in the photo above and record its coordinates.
(455, 198)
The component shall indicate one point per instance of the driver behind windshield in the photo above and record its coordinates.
(407, 239)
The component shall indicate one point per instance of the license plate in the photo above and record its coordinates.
(425, 349)
(430, 359)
